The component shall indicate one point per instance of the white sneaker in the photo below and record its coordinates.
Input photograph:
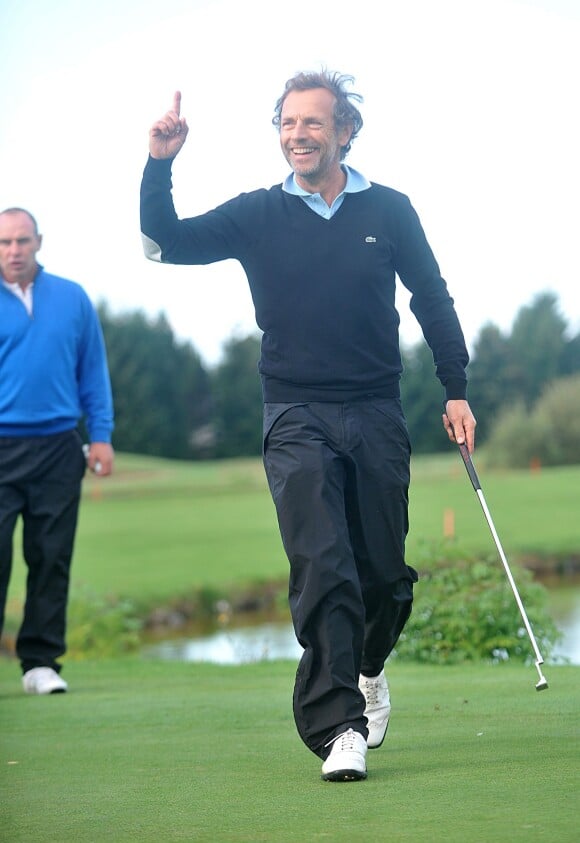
(378, 707)
(346, 762)
(43, 680)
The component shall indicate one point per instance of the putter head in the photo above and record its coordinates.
(542, 683)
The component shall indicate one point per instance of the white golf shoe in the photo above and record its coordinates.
(43, 680)
(378, 707)
(346, 762)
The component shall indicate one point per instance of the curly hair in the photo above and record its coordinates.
(345, 113)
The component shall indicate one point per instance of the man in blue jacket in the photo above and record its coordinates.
(53, 372)
(321, 253)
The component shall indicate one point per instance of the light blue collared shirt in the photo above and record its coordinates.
(355, 182)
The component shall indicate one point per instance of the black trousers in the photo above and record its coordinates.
(40, 480)
(339, 477)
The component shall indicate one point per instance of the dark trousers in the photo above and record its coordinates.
(40, 480)
(339, 478)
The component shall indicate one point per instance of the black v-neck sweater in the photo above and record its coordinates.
(323, 290)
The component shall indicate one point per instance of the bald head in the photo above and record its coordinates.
(19, 243)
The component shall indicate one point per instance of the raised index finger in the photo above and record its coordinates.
(177, 102)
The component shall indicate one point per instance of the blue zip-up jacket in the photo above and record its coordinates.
(53, 365)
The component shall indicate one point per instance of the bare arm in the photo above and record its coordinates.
(167, 136)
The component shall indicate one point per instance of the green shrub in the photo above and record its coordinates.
(558, 414)
(98, 626)
(467, 612)
(549, 434)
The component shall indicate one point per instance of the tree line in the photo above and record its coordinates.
(169, 403)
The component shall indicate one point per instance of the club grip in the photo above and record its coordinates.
(464, 451)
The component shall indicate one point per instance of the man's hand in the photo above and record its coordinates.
(100, 456)
(459, 422)
(167, 136)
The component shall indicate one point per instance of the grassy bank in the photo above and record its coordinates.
(158, 527)
(162, 531)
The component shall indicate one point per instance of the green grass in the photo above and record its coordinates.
(147, 750)
(534, 513)
(158, 527)
(150, 751)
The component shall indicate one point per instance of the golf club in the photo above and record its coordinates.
(542, 684)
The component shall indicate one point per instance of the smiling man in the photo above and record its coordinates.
(322, 252)
(312, 143)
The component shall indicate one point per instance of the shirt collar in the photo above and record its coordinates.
(25, 295)
(355, 182)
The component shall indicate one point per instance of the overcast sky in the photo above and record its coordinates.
(470, 108)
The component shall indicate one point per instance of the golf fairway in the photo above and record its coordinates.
(147, 750)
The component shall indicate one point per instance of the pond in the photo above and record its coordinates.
(271, 639)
